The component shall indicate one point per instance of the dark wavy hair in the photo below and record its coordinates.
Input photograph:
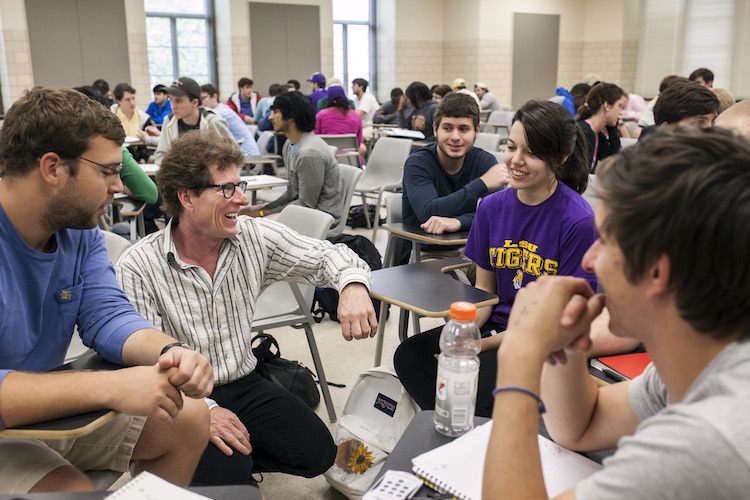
(297, 107)
(455, 105)
(553, 135)
(682, 192)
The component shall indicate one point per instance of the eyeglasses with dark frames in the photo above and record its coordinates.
(228, 189)
(113, 171)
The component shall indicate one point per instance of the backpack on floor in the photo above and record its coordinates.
(377, 412)
(326, 300)
(357, 219)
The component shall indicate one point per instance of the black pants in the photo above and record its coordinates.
(416, 367)
(286, 435)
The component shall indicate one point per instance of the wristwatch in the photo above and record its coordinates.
(174, 344)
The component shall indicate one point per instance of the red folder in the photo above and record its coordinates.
(623, 366)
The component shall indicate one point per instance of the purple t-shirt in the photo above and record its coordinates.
(520, 242)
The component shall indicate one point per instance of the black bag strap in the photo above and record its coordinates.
(267, 348)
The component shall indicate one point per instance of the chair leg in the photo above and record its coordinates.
(376, 222)
(321, 374)
(366, 211)
(381, 332)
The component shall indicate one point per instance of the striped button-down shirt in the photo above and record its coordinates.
(214, 316)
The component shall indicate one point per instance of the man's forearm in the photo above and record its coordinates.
(570, 396)
(513, 467)
(144, 346)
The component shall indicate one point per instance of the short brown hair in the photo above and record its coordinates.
(457, 105)
(682, 192)
(60, 121)
(186, 165)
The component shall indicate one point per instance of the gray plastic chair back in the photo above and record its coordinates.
(393, 207)
(590, 194)
(262, 141)
(503, 117)
(488, 142)
(347, 142)
(351, 176)
(384, 167)
(278, 298)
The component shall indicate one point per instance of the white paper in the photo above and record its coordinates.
(458, 467)
(147, 486)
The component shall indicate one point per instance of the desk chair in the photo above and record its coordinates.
(626, 142)
(500, 121)
(351, 176)
(383, 172)
(285, 303)
(487, 141)
(347, 145)
(590, 194)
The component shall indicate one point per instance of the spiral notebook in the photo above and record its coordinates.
(147, 486)
(457, 467)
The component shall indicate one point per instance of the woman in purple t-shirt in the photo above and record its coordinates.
(539, 225)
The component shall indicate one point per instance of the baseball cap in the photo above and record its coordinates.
(185, 86)
(336, 92)
(459, 82)
(318, 78)
(481, 85)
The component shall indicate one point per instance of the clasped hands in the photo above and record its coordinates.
(552, 317)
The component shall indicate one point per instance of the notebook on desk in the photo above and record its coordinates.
(622, 366)
(458, 467)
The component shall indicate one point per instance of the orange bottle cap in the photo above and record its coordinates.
(463, 311)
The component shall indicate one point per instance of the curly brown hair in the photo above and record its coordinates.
(186, 165)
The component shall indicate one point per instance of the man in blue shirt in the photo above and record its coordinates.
(210, 99)
(60, 159)
(161, 107)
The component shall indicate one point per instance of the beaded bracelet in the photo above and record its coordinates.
(524, 390)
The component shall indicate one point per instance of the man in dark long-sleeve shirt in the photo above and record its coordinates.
(444, 181)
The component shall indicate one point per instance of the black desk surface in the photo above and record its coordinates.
(416, 233)
(234, 492)
(423, 289)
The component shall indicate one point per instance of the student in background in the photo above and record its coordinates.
(418, 110)
(440, 91)
(187, 115)
(161, 106)
(135, 121)
(366, 105)
(240, 132)
(388, 111)
(103, 87)
(703, 77)
(487, 99)
(672, 219)
(579, 92)
(244, 101)
(338, 117)
(538, 226)
(726, 98)
(598, 119)
(684, 103)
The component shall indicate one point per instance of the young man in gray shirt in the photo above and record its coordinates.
(673, 239)
(312, 169)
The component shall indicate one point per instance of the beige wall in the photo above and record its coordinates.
(15, 54)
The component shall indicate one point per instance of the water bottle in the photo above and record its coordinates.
(458, 371)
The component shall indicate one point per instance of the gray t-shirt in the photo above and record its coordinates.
(490, 102)
(697, 448)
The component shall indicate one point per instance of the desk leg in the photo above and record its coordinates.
(381, 332)
(389, 259)
(133, 228)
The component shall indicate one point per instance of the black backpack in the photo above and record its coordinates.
(326, 300)
(291, 375)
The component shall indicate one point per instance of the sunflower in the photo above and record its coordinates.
(360, 460)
